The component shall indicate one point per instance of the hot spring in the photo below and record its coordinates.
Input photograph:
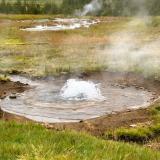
(59, 24)
(71, 99)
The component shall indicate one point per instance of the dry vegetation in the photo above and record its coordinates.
(48, 53)
(51, 53)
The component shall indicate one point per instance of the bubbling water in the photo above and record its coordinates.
(81, 90)
(62, 24)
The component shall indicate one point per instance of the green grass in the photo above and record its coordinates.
(138, 135)
(33, 142)
(141, 133)
(26, 16)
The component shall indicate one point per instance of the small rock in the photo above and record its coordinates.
(81, 121)
(133, 125)
(128, 110)
(3, 97)
(64, 73)
(137, 87)
(13, 96)
(122, 87)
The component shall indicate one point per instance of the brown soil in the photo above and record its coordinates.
(100, 125)
(7, 88)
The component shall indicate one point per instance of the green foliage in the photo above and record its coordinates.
(28, 7)
(33, 142)
(109, 7)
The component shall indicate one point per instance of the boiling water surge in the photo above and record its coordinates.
(81, 90)
(55, 100)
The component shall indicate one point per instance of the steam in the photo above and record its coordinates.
(127, 52)
(93, 7)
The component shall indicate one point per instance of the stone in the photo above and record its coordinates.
(133, 125)
(13, 96)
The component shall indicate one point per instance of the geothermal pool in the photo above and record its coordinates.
(72, 99)
(61, 24)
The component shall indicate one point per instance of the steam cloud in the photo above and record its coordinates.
(127, 52)
(93, 7)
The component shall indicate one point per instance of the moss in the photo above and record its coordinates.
(4, 78)
(156, 129)
(139, 135)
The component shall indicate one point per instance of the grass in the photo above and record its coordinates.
(33, 142)
(4, 78)
(138, 135)
(53, 53)
(141, 133)
(25, 16)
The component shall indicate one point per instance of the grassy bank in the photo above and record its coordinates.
(142, 133)
(33, 142)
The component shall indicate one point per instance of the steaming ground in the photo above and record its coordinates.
(128, 53)
(115, 44)
(92, 8)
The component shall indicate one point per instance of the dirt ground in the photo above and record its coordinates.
(96, 126)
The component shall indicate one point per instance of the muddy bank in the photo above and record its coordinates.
(99, 126)
(9, 88)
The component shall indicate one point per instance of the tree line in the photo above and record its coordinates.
(68, 7)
